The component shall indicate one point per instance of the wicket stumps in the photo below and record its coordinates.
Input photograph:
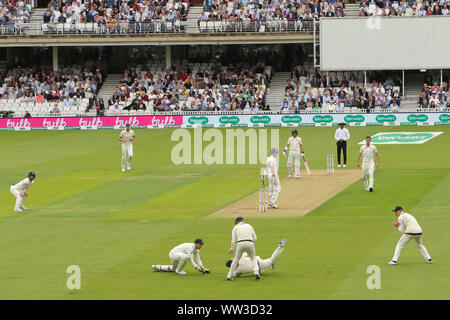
(330, 163)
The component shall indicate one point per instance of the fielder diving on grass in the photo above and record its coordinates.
(180, 255)
(411, 229)
(245, 263)
(19, 190)
(127, 137)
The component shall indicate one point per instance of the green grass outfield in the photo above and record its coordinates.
(84, 211)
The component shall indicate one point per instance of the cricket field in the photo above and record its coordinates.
(84, 211)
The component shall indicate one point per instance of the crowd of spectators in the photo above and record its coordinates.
(12, 14)
(404, 7)
(435, 96)
(66, 88)
(314, 91)
(271, 14)
(234, 87)
(116, 16)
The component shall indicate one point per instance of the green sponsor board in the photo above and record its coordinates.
(323, 119)
(445, 117)
(417, 118)
(229, 120)
(198, 120)
(260, 119)
(402, 137)
(291, 119)
(354, 118)
(386, 118)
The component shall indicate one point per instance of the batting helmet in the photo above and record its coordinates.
(228, 263)
(294, 131)
(31, 173)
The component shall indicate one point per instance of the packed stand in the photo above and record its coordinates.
(341, 91)
(433, 95)
(73, 90)
(266, 15)
(13, 15)
(404, 8)
(201, 87)
(109, 17)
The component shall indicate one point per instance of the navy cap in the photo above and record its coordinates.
(127, 125)
(239, 219)
(199, 240)
(397, 208)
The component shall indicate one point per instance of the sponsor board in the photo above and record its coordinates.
(90, 122)
(402, 137)
(228, 121)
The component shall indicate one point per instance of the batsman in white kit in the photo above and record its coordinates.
(19, 190)
(296, 151)
(243, 239)
(274, 180)
(411, 229)
(245, 263)
(180, 255)
(368, 151)
(127, 137)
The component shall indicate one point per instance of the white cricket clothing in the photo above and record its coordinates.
(408, 224)
(368, 152)
(368, 165)
(294, 143)
(126, 136)
(274, 189)
(182, 253)
(243, 237)
(23, 185)
(241, 232)
(18, 190)
(342, 134)
(411, 230)
(271, 162)
(293, 161)
(127, 148)
(245, 263)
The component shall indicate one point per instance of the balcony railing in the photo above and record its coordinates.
(148, 28)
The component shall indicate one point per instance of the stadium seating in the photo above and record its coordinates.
(37, 92)
(200, 87)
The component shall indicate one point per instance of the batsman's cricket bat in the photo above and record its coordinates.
(306, 166)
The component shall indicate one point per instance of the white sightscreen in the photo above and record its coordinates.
(377, 43)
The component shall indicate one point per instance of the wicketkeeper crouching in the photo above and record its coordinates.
(180, 255)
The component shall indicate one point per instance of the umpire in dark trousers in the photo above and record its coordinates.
(342, 135)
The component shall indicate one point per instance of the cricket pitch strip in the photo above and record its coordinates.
(298, 196)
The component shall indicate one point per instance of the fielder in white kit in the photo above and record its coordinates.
(127, 137)
(411, 229)
(243, 239)
(296, 151)
(274, 180)
(368, 167)
(245, 263)
(19, 190)
(180, 255)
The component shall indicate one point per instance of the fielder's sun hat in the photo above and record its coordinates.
(199, 240)
(239, 218)
(397, 208)
(342, 123)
